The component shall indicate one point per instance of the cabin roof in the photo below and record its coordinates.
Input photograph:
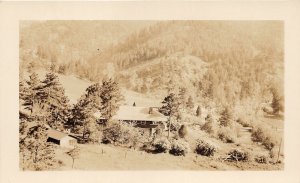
(136, 113)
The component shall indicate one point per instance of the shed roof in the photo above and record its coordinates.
(137, 113)
(56, 134)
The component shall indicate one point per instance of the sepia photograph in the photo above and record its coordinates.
(151, 95)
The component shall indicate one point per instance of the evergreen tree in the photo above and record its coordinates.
(277, 101)
(208, 126)
(226, 117)
(55, 102)
(83, 120)
(110, 98)
(190, 103)
(170, 108)
(182, 132)
(198, 111)
(93, 94)
(182, 96)
(35, 152)
(92, 130)
(23, 92)
(23, 130)
(31, 95)
(41, 152)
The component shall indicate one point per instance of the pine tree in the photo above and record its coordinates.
(92, 130)
(35, 152)
(83, 120)
(23, 91)
(226, 117)
(23, 130)
(55, 102)
(208, 126)
(182, 132)
(31, 95)
(182, 96)
(198, 111)
(110, 98)
(277, 103)
(190, 103)
(170, 108)
(93, 93)
(42, 152)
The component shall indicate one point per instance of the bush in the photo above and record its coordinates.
(257, 134)
(182, 132)
(208, 127)
(261, 159)
(244, 121)
(205, 149)
(226, 117)
(121, 134)
(179, 148)
(238, 155)
(269, 143)
(262, 135)
(161, 145)
(227, 135)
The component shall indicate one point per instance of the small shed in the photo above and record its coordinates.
(60, 138)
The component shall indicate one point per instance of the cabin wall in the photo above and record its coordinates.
(68, 142)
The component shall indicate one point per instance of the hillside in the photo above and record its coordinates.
(43, 43)
(239, 56)
(75, 87)
(157, 75)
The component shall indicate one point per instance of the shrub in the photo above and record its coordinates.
(175, 125)
(179, 148)
(227, 135)
(262, 135)
(209, 126)
(182, 132)
(238, 155)
(161, 145)
(226, 117)
(257, 134)
(204, 148)
(269, 143)
(60, 162)
(261, 159)
(121, 134)
(244, 121)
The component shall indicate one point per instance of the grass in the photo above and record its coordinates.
(109, 157)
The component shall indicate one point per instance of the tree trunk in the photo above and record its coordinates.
(73, 163)
(169, 127)
(279, 151)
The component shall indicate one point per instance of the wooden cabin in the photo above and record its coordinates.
(142, 117)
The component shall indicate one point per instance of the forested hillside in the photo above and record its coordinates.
(68, 45)
(243, 59)
(226, 61)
